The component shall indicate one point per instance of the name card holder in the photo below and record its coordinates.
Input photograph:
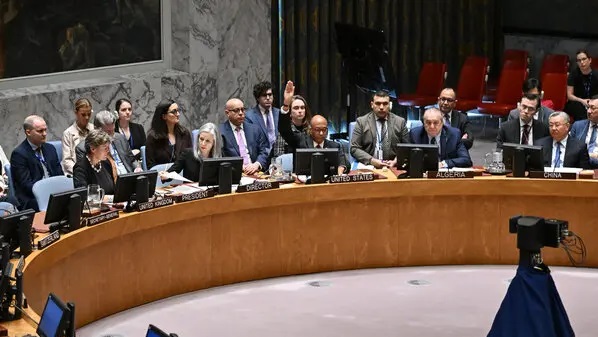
(98, 219)
(352, 178)
(48, 240)
(450, 174)
(195, 195)
(552, 175)
(258, 186)
(145, 206)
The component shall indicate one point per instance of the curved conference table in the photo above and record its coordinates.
(142, 257)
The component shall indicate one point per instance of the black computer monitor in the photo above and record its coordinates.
(65, 208)
(55, 318)
(132, 186)
(520, 158)
(214, 172)
(416, 159)
(305, 163)
(15, 229)
(153, 331)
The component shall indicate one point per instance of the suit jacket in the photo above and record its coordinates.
(188, 164)
(301, 140)
(579, 131)
(543, 114)
(122, 148)
(137, 139)
(157, 151)
(576, 152)
(363, 141)
(257, 143)
(254, 115)
(452, 149)
(84, 175)
(459, 121)
(510, 132)
(27, 170)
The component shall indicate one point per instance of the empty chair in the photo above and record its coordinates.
(11, 186)
(430, 82)
(472, 81)
(515, 58)
(554, 63)
(554, 86)
(42, 189)
(143, 162)
(508, 93)
(58, 146)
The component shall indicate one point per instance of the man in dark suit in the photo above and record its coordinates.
(241, 138)
(264, 114)
(559, 149)
(533, 86)
(376, 134)
(586, 130)
(524, 130)
(120, 150)
(33, 160)
(452, 151)
(447, 100)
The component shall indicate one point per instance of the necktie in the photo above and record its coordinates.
(242, 147)
(592, 143)
(270, 128)
(384, 139)
(525, 134)
(318, 146)
(557, 155)
(114, 168)
(40, 157)
(447, 120)
(433, 141)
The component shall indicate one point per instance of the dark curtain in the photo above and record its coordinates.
(417, 31)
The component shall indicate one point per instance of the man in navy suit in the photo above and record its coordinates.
(452, 151)
(33, 160)
(241, 138)
(586, 130)
(561, 150)
(264, 114)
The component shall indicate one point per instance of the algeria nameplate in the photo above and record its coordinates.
(450, 174)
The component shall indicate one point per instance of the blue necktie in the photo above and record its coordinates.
(557, 155)
(592, 143)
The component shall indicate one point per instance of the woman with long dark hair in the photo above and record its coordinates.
(167, 138)
(133, 132)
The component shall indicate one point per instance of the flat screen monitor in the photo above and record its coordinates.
(153, 331)
(15, 228)
(302, 160)
(54, 318)
(210, 168)
(417, 158)
(58, 204)
(532, 158)
(126, 185)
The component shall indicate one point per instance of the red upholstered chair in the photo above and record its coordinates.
(511, 59)
(554, 86)
(554, 63)
(472, 81)
(430, 82)
(508, 93)
(515, 56)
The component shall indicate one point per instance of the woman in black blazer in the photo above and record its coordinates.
(95, 168)
(208, 145)
(167, 138)
(134, 132)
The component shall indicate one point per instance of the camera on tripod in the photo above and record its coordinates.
(533, 233)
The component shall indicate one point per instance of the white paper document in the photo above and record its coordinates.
(456, 169)
(563, 169)
(186, 189)
(176, 176)
(246, 180)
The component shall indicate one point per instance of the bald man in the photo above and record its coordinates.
(241, 138)
(452, 151)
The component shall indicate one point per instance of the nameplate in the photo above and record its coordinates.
(258, 186)
(48, 240)
(450, 174)
(552, 175)
(352, 178)
(98, 219)
(144, 206)
(195, 195)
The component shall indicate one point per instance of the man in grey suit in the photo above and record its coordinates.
(534, 87)
(120, 150)
(377, 133)
(525, 129)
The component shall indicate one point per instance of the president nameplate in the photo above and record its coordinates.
(450, 174)
(352, 178)
(195, 196)
(145, 206)
(48, 240)
(258, 186)
(552, 175)
(98, 219)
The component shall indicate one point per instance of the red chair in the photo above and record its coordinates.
(508, 93)
(554, 63)
(472, 81)
(511, 59)
(554, 86)
(430, 83)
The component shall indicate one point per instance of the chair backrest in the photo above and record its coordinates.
(7, 208)
(351, 128)
(515, 57)
(554, 63)
(161, 167)
(11, 185)
(509, 87)
(554, 86)
(472, 78)
(58, 146)
(431, 79)
(143, 162)
(287, 161)
(194, 134)
(42, 189)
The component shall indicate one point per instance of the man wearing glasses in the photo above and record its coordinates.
(586, 130)
(265, 115)
(533, 86)
(446, 104)
(559, 149)
(524, 130)
(241, 138)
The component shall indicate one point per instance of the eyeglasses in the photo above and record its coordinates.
(268, 94)
(174, 111)
(237, 111)
(446, 99)
(320, 130)
(582, 59)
